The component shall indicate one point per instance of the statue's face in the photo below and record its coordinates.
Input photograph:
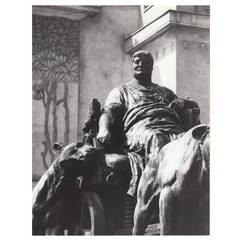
(142, 67)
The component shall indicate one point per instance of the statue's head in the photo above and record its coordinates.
(75, 158)
(142, 65)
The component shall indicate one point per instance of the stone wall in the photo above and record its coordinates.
(103, 61)
(164, 52)
(193, 68)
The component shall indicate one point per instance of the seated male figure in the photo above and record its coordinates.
(145, 115)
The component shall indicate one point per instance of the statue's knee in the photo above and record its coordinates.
(117, 161)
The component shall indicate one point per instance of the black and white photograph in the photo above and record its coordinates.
(106, 115)
(120, 109)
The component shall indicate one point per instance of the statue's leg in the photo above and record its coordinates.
(76, 218)
(156, 141)
(142, 214)
(55, 218)
(141, 217)
(38, 228)
(167, 204)
(55, 230)
(146, 200)
(75, 229)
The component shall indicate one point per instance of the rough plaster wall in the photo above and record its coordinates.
(38, 122)
(163, 50)
(193, 68)
(103, 61)
(38, 112)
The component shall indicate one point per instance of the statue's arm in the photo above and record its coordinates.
(105, 123)
(188, 103)
(112, 112)
(180, 103)
(187, 109)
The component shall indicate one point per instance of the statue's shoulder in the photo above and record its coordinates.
(116, 90)
(160, 88)
(165, 92)
(120, 87)
(155, 85)
(166, 89)
(126, 85)
(123, 88)
(116, 95)
(169, 92)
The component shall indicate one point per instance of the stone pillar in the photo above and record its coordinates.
(179, 42)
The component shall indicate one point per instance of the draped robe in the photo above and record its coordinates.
(148, 122)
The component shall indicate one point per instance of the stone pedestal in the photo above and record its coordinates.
(179, 43)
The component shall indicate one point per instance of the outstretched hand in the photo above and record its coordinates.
(104, 136)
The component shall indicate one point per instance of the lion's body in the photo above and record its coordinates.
(177, 180)
(55, 197)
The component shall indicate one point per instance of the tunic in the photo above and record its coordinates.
(148, 122)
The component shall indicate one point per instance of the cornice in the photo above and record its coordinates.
(163, 23)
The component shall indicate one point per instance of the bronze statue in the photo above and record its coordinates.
(55, 198)
(148, 115)
(177, 182)
(138, 119)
